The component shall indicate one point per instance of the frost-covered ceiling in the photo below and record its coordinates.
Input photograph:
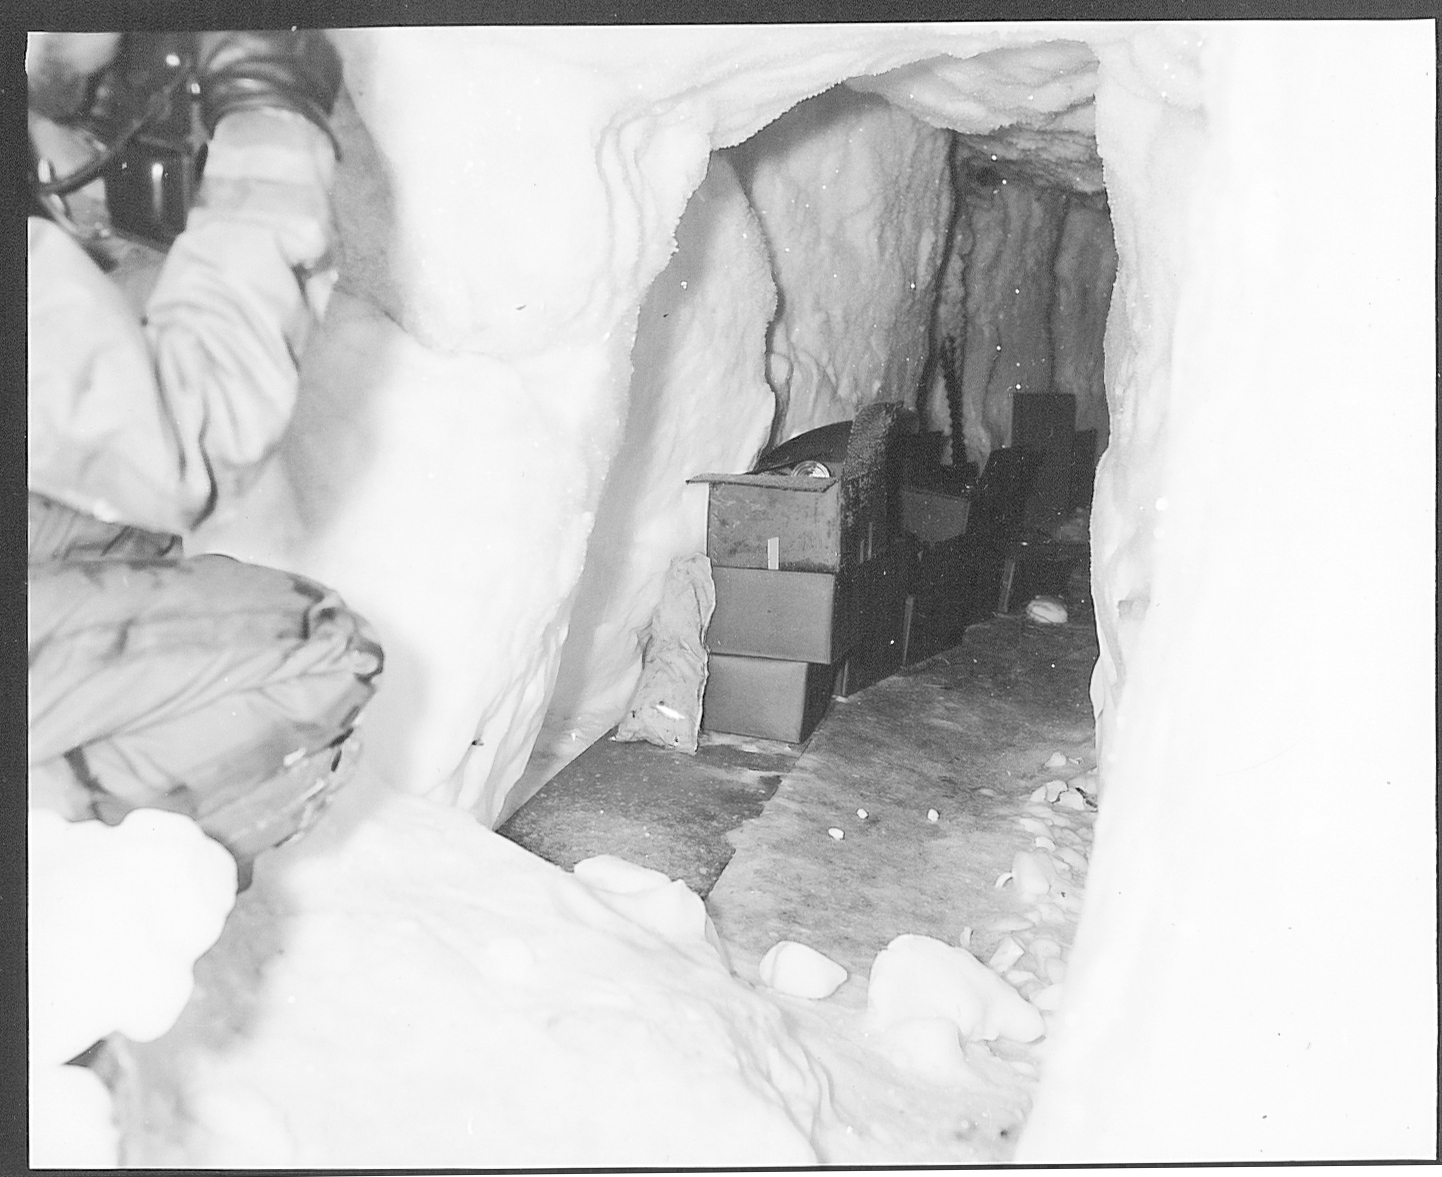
(1030, 109)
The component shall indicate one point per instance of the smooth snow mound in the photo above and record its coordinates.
(117, 917)
(1046, 611)
(919, 978)
(799, 970)
(438, 997)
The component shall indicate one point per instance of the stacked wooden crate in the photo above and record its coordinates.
(810, 586)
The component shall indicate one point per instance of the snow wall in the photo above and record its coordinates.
(1261, 561)
(1024, 300)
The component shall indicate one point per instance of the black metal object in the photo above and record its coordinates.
(826, 444)
(146, 112)
(957, 581)
(1046, 422)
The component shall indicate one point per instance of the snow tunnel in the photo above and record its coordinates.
(624, 256)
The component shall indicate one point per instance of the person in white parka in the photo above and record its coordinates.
(218, 689)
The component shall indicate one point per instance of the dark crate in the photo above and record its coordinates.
(800, 616)
(883, 623)
(769, 698)
(804, 524)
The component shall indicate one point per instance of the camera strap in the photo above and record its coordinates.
(155, 110)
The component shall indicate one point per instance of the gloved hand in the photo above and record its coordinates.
(244, 284)
(298, 71)
(271, 169)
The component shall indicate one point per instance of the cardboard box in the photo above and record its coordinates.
(797, 616)
(933, 515)
(803, 524)
(769, 698)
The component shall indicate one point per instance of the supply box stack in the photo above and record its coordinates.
(810, 587)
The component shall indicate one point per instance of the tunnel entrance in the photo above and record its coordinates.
(850, 253)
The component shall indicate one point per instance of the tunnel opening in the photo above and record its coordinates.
(849, 253)
(887, 258)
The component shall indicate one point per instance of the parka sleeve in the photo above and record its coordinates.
(237, 298)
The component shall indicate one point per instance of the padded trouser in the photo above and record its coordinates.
(220, 689)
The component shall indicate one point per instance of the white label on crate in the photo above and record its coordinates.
(773, 553)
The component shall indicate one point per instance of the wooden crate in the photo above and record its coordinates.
(769, 698)
(804, 524)
(800, 616)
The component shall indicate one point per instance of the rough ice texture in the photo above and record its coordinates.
(1048, 133)
(1022, 305)
(1009, 288)
(699, 402)
(854, 199)
(1085, 270)
(1263, 535)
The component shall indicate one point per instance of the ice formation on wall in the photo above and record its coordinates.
(1009, 287)
(1085, 269)
(699, 402)
(1265, 716)
(1023, 301)
(854, 199)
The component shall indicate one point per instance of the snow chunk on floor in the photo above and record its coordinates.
(801, 971)
(1046, 611)
(117, 916)
(666, 906)
(919, 977)
(146, 897)
(434, 996)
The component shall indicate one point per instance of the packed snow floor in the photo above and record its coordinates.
(946, 786)
(404, 988)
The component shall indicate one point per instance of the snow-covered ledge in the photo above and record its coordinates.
(1255, 970)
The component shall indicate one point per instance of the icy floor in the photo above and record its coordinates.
(404, 988)
(953, 825)
(911, 1098)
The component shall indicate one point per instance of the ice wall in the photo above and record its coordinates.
(1010, 283)
(854, 196)
(1085, 270)
(1025, 290)
(699, 402)
(1255, 971)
